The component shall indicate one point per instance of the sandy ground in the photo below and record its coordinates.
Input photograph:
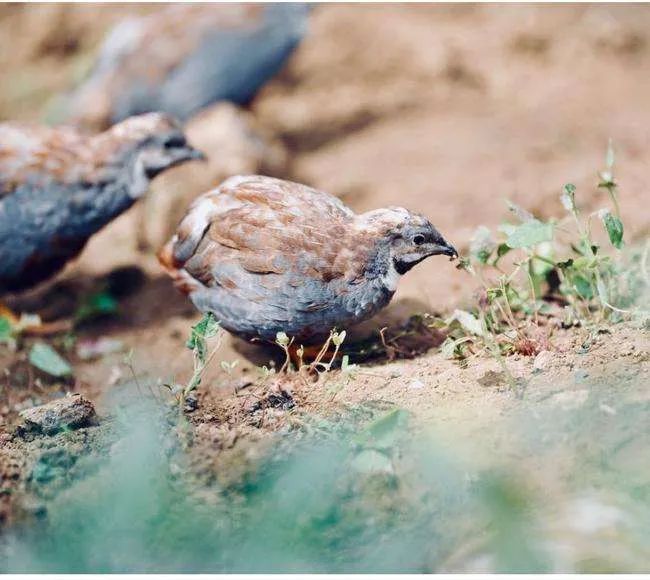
(448, 110)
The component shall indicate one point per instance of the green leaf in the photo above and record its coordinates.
(482, 244)
(583, 287)
(530, 234)
(210, 325)
(520, 212)
(383, 432)
(493, 293)
(207, 327)
(98, 304)
(584, 263)
(502, 250)
(506, 228)
(339, 337)
(539, 268)
(6, 330)
(464, 264)
(448, 347)
(467, 320)
(372, 461)
(568, 197)
(603, 294)
(45, 358)
(614, 228)
(346, 366)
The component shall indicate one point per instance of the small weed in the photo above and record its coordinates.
(228, 367)
(318, 370)
(559, 276)
(96, 305)
(318, 365)
(12, 329)
(207, 328)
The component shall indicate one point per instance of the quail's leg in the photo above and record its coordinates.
(142, 233)
(37, 328)
(48, 328)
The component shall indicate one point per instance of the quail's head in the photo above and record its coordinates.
(410, 236)
(151, 144)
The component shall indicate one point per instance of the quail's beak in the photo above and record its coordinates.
(156, 161)
(445, 249)
(187, 153)
(179, 155)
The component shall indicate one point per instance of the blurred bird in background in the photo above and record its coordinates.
(58, 187)
(235, 144)
(185, 57)
(267, 256)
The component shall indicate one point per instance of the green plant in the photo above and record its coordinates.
(318, 370)
(207, 328)
(229, 367)
(7, 334)
(536, 275)
(323, 360)
(11, 329)
(95, 305)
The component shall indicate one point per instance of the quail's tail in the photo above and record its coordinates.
(182, 280)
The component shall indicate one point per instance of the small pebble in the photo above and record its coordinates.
(191, 403)
(416, 384)
(542, 360)
(93, 349)
(69, 412)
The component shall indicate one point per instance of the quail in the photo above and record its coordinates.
(58, 187)
(266, 255)
(182, 58)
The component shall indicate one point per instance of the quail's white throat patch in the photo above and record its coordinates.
(139, 180)
(391, 278)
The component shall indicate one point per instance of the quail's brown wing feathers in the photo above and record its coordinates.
(39, 155)
(30, 154)
(267, 226)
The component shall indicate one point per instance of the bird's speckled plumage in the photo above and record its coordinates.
(266, 255)
(58, 187)
(184, 57)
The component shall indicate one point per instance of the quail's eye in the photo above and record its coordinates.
(418, 240)
(174, 141)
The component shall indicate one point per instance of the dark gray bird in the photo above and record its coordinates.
(184, 57)
(266, 255)
(58, 187)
